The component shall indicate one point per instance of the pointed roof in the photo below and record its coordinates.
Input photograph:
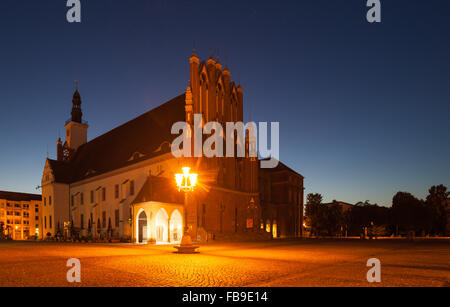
(76, 113)
(159, 189)
(280, 167)
(149, 135)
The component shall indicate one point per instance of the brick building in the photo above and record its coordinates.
(121, 184)
(281, 196)
(20, 215)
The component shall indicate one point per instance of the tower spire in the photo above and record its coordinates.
(76, 113)
(76, 129)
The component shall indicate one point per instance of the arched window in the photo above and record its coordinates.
(162, 223)
(176, 226)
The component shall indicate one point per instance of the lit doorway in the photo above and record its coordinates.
(275, 229)
(176, 227)
(162, 224)
(142, 227)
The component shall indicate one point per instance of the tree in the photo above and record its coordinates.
(312, 211)
(324, 219)
(99, 227)
(109, 228)
(365, 214)
(333, 218)
(436, 204)
(89, 230)
(407, 213)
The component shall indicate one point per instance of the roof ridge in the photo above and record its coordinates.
(112, 149)
(131, 120)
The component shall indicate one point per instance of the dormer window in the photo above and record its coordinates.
(136, 156)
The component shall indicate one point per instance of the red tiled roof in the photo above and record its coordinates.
(142, 138)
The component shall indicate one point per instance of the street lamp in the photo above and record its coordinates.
(186, 183)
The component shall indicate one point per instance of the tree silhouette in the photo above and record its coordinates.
(436, 203)
(407, 213)
(312, 211)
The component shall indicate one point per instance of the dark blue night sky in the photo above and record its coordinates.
(364, 109)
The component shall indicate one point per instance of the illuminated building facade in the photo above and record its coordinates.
(20, 215)
(122, 184)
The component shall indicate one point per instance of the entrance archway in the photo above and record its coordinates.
(176, 227)
(162, 226)
(142, 227)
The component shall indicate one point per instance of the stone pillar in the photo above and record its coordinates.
(191, 215)
(168, 230)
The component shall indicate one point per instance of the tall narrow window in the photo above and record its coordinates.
(82, 221)
(50, 222)
(92, 197)
(82, 198)
(49, 200)
(132, 187)
(104, 194)
(198, 215)
(45, 222)
(116, 191)
(203, 215)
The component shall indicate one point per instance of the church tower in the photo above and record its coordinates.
(76, 129)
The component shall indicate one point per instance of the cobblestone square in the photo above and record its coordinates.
(271, 264)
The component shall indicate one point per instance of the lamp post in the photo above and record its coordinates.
(186, 183)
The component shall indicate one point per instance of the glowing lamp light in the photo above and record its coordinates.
(186, 181)
(179, 179)
(186, 171)
(193, 179)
